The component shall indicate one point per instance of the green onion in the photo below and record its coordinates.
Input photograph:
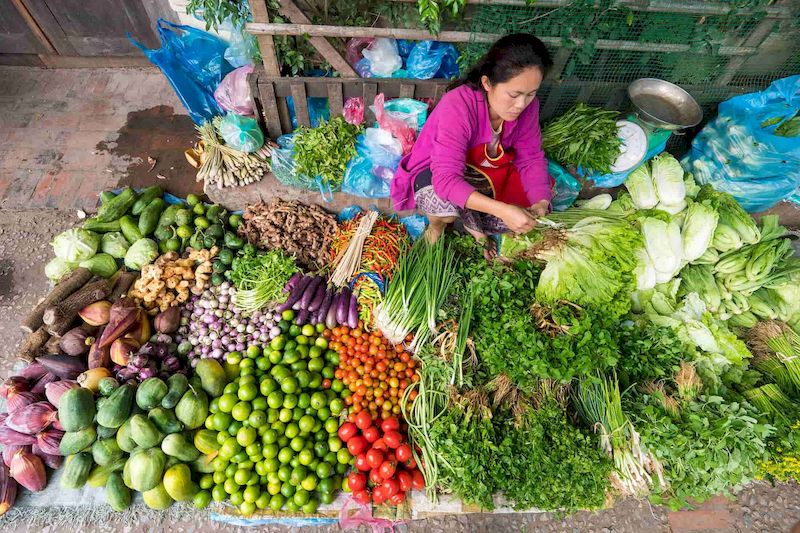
(260, 277)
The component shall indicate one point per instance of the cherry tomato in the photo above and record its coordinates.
(380, 444)
(417, 480)
(390, 487)
(357, 445)
(403, 453)
(387, 469)
(411, 464)
(392, 438)
(375, 476)
(374, 458)
(363, 420)
(361, 462)
(357, 481)
(361, 496)
(372, 434)
(398, 498)
(378, 496)
(405, 480)
(347, 431)
(390, 424)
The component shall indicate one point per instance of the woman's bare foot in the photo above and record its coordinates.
(436, 226)
(488, 244)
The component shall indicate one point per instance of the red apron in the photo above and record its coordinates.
(496, 177)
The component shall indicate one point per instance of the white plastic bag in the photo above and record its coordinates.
(383, 57)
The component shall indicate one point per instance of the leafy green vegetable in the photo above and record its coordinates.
(115, 244)
(324, 151)
(698, 230)
(76, 244)
(734, 222)
(57, 267)
(583, 137)
(648, 352)
(641, 188)
(101, 264)
(142, 252)
(668, 178)
(259, 277)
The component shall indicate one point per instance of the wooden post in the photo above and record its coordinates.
(265, 42)
(321, 44)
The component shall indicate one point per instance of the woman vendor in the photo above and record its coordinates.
(479, 156)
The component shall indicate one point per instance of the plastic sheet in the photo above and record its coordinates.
(233, 94)
(193, 62)
(318, 110)
(243, 48)
(740, 153)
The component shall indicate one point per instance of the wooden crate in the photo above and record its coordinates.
(270, 93)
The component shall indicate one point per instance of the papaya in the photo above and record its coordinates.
(117, 407)
(144, 469)
(212, 377)
(76, 409)
(205, 441)
(150, 393)
(165, 420)
(144, 432)
(192, 410)
(106, 451)
(76, 441)
(100, 474)
(106, 433)
(176, 445)
(124, 437)
(178, 483)
(177, 385)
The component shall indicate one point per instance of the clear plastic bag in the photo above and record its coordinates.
(243, 48)
(193, 62)
(741, 153)
(397, 127)
(354, 110)
(355, 47)
(233, 94)
(285, 171)
(370, 172)
(241, 133)
(383, 57)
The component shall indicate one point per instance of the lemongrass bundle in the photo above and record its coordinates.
(348, 261)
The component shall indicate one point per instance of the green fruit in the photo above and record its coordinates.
(73, 442)
(118, 495)
(183, 217)
(144, 469)
(76, 409)
(212, 376)
(202, 499)
(192, 409)
(157, 498)
(176, 445)
(178, 483)
(199, 209)
(192, 200)
(150, 393)
(106, 451)
(143, 432)
(165, 420)
(76, 470)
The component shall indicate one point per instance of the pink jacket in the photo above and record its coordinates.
(459, 122)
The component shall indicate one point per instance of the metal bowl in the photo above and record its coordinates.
(664, 105)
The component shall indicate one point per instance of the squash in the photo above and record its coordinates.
(105, 433)
(178, 483)
(205, 441)
(150, 393)
(204, 464)
(76, 409)
(212, 376)
(107, 385)
(106, 451)
(76, 470)
(76, 441)
(177, 446)
(100, 474)
(165, 420)
(177, 385)
(157, 498)
(192, 410)
(116, 409)
(118, 495)
(144, 469)
(124, 438)
(143, 432)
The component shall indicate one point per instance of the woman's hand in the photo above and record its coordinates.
(539, 209)
(516, 218)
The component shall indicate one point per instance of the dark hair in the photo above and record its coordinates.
(507, 57)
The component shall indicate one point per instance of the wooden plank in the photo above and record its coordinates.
(255, 93)
(265, 42)
(317, 87)
(37, 32)
(335, 100)
(325, 49)
(50, 27)
(370, 91)
(300, 104)
(283, 116)
(21, 60)
(314, 30)
(406, 90)
(270, 106)
(54, 61)
(438, 93)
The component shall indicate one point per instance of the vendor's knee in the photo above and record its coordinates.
(442, 220)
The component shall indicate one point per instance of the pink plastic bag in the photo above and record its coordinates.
(354, 110)
(354, 48)
(233, 93)
(363, 517)
(397, 127)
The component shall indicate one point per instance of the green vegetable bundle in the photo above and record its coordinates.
(583, 137)
(324, 151)
(259, 277)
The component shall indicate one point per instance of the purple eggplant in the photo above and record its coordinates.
(342, 306)
(330, 316)
(295, 295)
(292, 282)
(319, 294)
(302, 317)
(310, 293)
(322, 312)
(352, 312)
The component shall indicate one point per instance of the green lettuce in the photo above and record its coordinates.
(698, 230)
(641, 188)
(668, 178)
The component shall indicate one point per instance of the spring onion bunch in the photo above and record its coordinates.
(259, 278)
(772, 339)
(598, 402)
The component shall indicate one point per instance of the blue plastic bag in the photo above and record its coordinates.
(425, 60)
(370, 172)
(412, 111)
(566, 188)
(243, 48)
(449, 69)
(404, 47)
(318, 110)
(194, 63)
(739, 153)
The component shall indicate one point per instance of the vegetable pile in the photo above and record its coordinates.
(583, 137)
(323, 152)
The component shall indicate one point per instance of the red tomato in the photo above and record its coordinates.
(403, 453)
(372, 434)
(361, 496)
(357, 481)
(398, 498)
(388, 469)
(378, 496)
(390, 424)
(375, 476)
(417, 481)
(411, 464)
(405, 480)
(363, 420)
(347, 431)
(390, 456)
(392, 438)
(380, 444)
(357, 445)
(374, 458)
(361, 462)
(390, 487)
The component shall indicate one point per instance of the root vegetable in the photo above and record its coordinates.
(65, 287)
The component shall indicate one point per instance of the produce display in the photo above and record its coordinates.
(323, 152)
(645, 344)
(224, 166)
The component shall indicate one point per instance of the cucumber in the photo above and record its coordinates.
(148, 220)
(147, 195)
(130, 229)
(93, 224)
(117, 206)
(105, 196)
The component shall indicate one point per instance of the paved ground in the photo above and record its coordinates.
(66, 135)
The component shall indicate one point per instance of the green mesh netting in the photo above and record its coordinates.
(645, 34)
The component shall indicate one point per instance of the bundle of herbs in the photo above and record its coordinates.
(584, 137)
(323, 151)
(260, 277)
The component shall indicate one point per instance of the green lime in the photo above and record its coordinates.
(276, 502)
(343, 456)
(328, 372)
(308, 330)
(323, 415)
(316, 365)
(310, 507)
(287, 489)
(241, 476)
(291, 431)
(278, 343)
(290, 357)
(290, 401)
(263, 364)
(273, 489)
(201, 222)
(264, 498)
(337, 385)
(309, 483)
(248, 392)
(306, 423)
(295, 330)
(241, 411)
(316, 381)
(284, 473)
(234, 428)
(246, 508)
(288, 315)
(303, 378)
(289, 385)
(320, 448)
(246, 436)
(275, 357)
(185, 231)
(267, 386)
(301, 340)
(270, 450)
(252, 493)
(207, 481)
(327, 484)
(234, 358)
(297, 444)
(321, 343)
(336, 406)
(257, 419)
(326, 498)
(324, 470)
(230, 485)
(260, 403)
(280, 372)
(285, 455)
(218, 477)
(218, 493)
(306, 457)
(246, 363)
(229, 448)
(192, 200)
(285, 415)
(253, 351)
(334, 443)
(220, 421)
(270, 436)
(274, 400)
(292, 507)
(301, 497)
(254, 450)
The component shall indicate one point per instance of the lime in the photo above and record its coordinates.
(324, 470)
(288, 315)
(337, 385)
(290, 401)
(254, 450)
(306, 423)
(308, 330)
(301, 497)
(320, 448)
(246, 436)
(275, 357)
(301, 339)
(280, 372)
(263, 363)
(246, 363)
(246, 508)
(292, 507)
(257, 419)
(334, 443)
(267, 386)
(316, 381)
(273, 489)
(290, 357)
(289, 385)
(244, 380)
(326, 498)
(253, 351)
(285, 416)
(287, 489)
(218, 477)
(310, 507)
(252, 493)
(328, 372)
(227, 402)
(239, 458)
(229, 448)
(321, 343)
(270, 436)
(305, 457)
(234, 428)
(298, 474)
(316, 365)
(218, 493)
(297, 444)
(220, 421)
(276, 502)
(270, 450)
(234, 358)
(274, 400)
(248, 392)
(336, 406)
(264, 498)
(303, 378)
(327, 484)
(294, 330)
(285, 455)
(278, 343)
(343, 456)
(309, 483)
(241, 411)
(284, 473)
(323, 414)
(241, 476)
(291, 431)
(261, 468)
